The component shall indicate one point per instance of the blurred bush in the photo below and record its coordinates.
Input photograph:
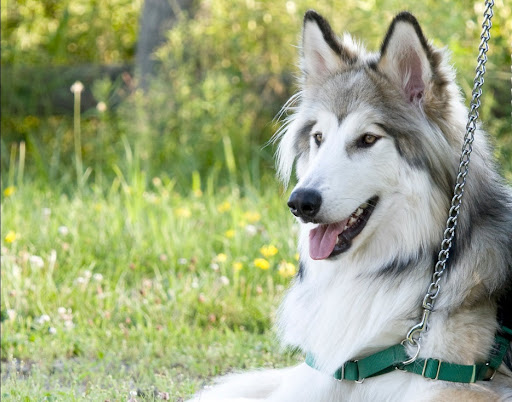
(223, 74)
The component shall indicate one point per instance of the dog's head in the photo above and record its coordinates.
(374, 135)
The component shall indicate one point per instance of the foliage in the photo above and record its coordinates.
(68, 32)
(101, 288)
(224, 74)
(132, 258)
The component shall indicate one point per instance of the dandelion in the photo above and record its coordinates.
(268, 251)
(230, 233)
(183, 212)
(11, 314)
(80, 281)
(10, 237)
(262, 263)
(221, 257)
(297, 257)
(252, 216)
(77, 87)
(101, 107)
(157, 181)
(36, 261)
(44, 318)
(9, 191)
(224, 207)
(251, 230)
(286, 269)
(237, 266)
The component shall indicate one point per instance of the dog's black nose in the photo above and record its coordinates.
(305, 203)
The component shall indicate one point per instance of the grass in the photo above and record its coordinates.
(137, 291)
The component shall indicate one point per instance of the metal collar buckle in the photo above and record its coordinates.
(438, 368)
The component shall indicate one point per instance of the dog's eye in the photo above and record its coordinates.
(367, 140)
(318, 138)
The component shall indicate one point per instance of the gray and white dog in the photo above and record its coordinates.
(375, 139)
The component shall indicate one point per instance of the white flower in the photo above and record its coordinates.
(224, 280)
(11, 314)
(182, 261)
(214, 266)
(52, 330)
(44, 318)
(36, 261)
(97, 277)
(47, 212)
(194, 284)
(77, 87)
(80, 280)
(251, 230)
(63, 230)
(87, 274)
(101, 107)
(61, 310)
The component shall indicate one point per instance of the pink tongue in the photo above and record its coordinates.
(323, 238)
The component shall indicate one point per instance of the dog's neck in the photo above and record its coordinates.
(338, 313)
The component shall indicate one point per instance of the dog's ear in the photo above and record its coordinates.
(322, 52)
(406, 57)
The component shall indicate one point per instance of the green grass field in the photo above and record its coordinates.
(138, 291)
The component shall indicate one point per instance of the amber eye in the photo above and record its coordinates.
(367, 140)
(318, 138)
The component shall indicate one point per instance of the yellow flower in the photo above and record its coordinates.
(297, 256)
(261, 263)
(252, 216)
(237, 266)
(183, 212)
(10, 237)
(221, 257)
(287, 269)
(230, 233)
(224, 207)
(9, 191)
(268, 250)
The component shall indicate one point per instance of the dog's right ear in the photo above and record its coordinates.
(322, 52)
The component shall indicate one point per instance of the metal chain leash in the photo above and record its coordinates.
(414, 333)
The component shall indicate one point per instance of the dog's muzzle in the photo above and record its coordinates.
(305, 203)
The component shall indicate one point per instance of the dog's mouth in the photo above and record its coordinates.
(329, 240)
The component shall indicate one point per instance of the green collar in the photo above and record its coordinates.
(394, 357)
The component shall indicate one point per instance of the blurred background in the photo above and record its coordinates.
(145, 241)
(184, 83)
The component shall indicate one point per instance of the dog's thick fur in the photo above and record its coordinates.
(387, 125)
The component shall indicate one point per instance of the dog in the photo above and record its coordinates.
(375, 140)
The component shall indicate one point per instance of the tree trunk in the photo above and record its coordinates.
(158, 16)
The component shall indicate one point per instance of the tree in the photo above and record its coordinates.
(158, 16)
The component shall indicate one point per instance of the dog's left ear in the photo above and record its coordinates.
(406, 57)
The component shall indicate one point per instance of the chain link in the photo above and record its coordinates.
(453, 214)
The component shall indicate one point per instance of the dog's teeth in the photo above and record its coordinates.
(359, 211)
(365, 205)
(352, 220)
